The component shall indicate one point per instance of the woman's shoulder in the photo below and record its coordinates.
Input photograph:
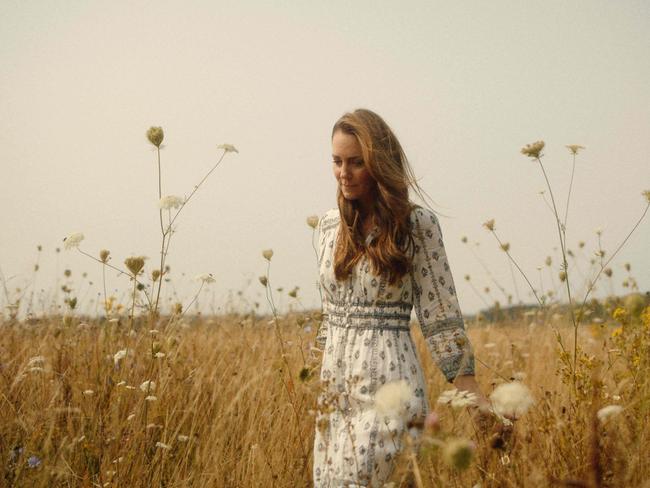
(330, 219)
(423, 217)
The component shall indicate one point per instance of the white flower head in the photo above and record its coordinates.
(609, 411)
(36, 360)
(206, 278)
(151, 398)
(148, 386)
(574, 148)
(89, 392)
(227, 148)
(119, 355)
(73, 240)
(511, 399)
(170, 201)
(392, 397)
(164, 446)
(458, 399)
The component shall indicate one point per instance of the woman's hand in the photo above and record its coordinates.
(468, 383)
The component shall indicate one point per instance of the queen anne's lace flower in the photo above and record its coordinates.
(227, 148)
(574, 148)
(170, 201)
(533, 149)
(458, 399)
(73, 240)
(205, 278)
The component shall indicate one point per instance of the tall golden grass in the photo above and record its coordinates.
(222, 414)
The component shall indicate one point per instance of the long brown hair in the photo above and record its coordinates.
(391, 253)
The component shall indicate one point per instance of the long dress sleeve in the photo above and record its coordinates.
(321, 336)
(435, 302)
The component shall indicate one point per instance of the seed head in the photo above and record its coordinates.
(135, 264)
(533, 149)
(148, 386)
(574, 148)
(264, 280)
(170, 201)
(548, 261)
(511, 399)
(463, 239)
(103, 255)
(562, 276)
(458, 453)
(608, 411)
(627, 267)
(646, 194)
(489, 225)
(608, 272)
(227, 148)
(268, 254)
(155, 136)
(391, 398)
(505, 247)
(155, 274)
(312, 221)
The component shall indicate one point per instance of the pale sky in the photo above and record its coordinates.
(464, 85)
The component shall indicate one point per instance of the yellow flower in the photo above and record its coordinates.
(574, 148)
(533, 149)
(617, 332)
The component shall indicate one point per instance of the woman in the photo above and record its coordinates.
(380, 256)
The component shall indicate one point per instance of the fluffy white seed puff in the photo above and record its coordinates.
(391, 398)
(608, 411)
(511, 399)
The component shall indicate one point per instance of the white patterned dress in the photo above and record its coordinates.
(365, 336)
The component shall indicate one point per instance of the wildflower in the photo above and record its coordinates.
(33, 462)
(119, 355)
(89, 392)
(609, 411)
(151, 398)
(599, 231)
(458, 453)
(131, 417)
(627, 267)
(463, 239)
(205, 278)
(312, 221)
(646, 194)
(36, 360)
(227, 148)
(608, 272)
(121, 383)
(533, 149)
(505, 247)
(268, 254)
(562, 276)
(467, 277)
(617, 332)
(548, 261)
(159, 355)
(155, 274)
(574, 148)
(293, 293)
(170, 201)
(103, 255)
(264, 280)
(458, 399)
(155, 136)
(183, 438)
(161, 445)
(148, 386)
(135, 264)
(391, 397)
(73, 240)
(489, 225)
(511, 399)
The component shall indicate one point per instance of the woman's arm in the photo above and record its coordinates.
(435, 301)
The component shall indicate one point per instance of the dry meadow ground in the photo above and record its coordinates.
(226, 410)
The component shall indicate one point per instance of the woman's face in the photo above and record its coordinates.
(350, 171)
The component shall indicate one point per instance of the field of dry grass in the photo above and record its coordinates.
(225, 409)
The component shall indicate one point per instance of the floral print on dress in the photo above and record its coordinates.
(366, 339)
